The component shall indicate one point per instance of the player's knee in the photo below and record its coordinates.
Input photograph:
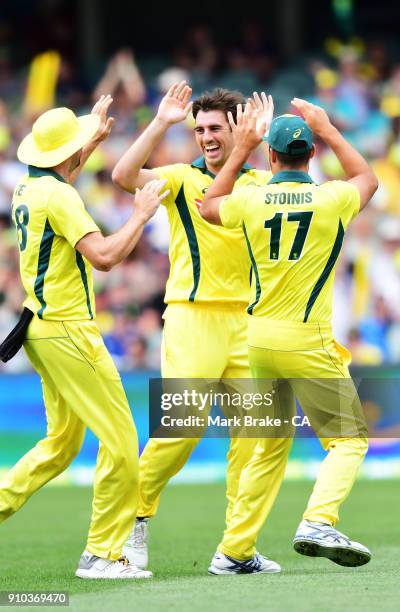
(353, 445)
(362, 444)
(61, 451)
(190, 443)
(66, 455)
(74, 444)
(273, 448)
(241, 450)
(359, 446)
(126, 466)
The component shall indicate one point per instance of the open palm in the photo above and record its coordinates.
(175, 105)
(106, 123)
(263, 106)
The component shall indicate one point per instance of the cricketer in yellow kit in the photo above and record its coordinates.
(207, 290)
(81, 386)
(294, 231)
(205, 323)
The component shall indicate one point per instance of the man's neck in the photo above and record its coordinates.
(63, 170)
(281, 168)
(213, 169)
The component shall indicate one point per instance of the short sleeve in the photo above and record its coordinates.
(231, 208)
(173, 174)
(68, 216)
(348, 199)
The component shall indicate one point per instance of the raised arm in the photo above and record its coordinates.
(356, 168)
(106, 252)
(174, 107)
(248, 132)
(130, 77)
(122, 71)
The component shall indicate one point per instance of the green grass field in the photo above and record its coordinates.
(40, 547)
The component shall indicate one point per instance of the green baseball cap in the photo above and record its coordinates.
(290, 134)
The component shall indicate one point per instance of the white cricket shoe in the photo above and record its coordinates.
(223, 565)
(135, 548)
(319, 540)
(95, 568)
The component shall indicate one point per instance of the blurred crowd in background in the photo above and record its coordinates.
(358, 85)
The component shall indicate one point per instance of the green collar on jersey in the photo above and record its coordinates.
(200, 163)
(35, 172)
(291, 176)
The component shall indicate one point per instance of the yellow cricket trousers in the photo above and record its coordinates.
(81, 388)
(309, 352)
(199, 341)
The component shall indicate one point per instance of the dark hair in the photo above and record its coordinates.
(291, 159)
(219, 99)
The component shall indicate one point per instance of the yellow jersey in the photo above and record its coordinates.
(208, 263)
(50, 218)
(294, 231)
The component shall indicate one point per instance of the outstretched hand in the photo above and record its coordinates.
(263, 105)
(106, 123)
(249, 128)
(315, 116)
(175, 105)
(149, 198)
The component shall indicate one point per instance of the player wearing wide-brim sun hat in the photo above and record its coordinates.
(59, 244)
(56, 135)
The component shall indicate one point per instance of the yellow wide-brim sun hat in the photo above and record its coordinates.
(55, 136)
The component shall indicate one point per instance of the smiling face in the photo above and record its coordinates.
(214, 138)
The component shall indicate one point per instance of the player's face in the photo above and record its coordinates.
(214, 136)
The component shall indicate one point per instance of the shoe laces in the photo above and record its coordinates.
(338, 537)
(254, 563)
(334, 535)
(124, 560)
